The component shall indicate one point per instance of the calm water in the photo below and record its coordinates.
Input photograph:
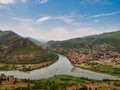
(62, 66)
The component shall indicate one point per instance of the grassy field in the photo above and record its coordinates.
(65, 82)
(115, 71)
(106, 69)
(62, 82)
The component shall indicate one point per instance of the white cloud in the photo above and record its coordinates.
(7, 1)
(61, 33)
(41, 1)
(66, 19)
(23, 29)
(57, 33)
(80, 32)
(104, 14)
(23, 20)
(43, 19)
(72, 19)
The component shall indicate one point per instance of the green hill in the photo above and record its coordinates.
(112, 38)
(100, 53)
(16, 49)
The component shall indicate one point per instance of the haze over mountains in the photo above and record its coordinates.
(111, 38)
(37, 42)
(16, 49)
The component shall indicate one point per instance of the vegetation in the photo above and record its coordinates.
(25, 67)
(106, 69)
(104, 49)
(112, 38)
(58, 82)
(15, 49)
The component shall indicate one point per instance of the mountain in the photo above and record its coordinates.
(112, 38)
(115, 34)
(37, 42)
(101, 47)
(16, 49)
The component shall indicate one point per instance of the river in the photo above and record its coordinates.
(62, 66)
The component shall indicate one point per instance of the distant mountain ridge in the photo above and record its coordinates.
(103, 47)
(115, 34)
(37, 42)
(112, 38)
(16, 49)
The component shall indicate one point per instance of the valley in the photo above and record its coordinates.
(59, 44)
(19, 53)
(100, 53)
(77, 69)
(61, 66)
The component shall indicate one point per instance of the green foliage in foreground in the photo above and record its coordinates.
(61, 81)
(106, 69)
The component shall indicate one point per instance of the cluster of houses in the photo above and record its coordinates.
(81, 55)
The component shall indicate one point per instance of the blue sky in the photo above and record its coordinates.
(59, 19)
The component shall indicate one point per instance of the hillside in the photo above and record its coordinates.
(112, 38)
(99, 53)
(37, 42)
(105, 43)
(16, 49)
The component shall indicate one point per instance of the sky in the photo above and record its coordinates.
(59, 19)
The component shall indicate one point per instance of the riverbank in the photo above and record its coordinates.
(61, 66)
(99, 58)
(106, 69)
(25, 67)
(58, 82)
